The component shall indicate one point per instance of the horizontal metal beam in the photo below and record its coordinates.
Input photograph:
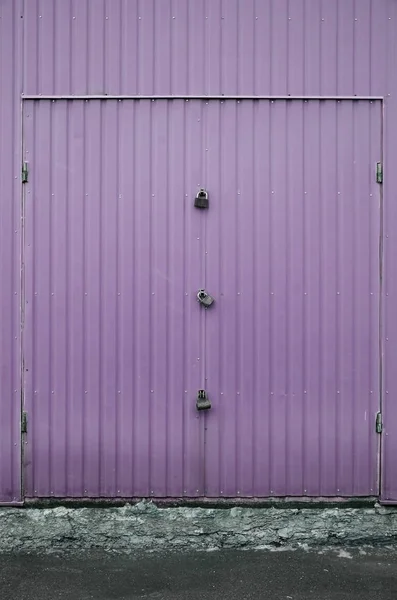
(191, 97)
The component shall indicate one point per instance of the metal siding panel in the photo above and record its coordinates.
(188, 47)
(389, 338)
(10, 239)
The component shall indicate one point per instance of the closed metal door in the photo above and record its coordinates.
(112, 328)
(292, 258)
(117, 346)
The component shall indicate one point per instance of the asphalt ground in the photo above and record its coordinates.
(282, 574)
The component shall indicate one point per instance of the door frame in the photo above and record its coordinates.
(53, 97)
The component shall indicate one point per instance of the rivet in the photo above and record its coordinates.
(221, 393)
(185, 391)
(355, 20)
(198, 359)
(86, 392)
(152, 195)
(139, 18)
(107, 17)
(52, 392)
(119, 392)
(152, 293)
(370, 195)
(238, 393)
(74, 17)
(289, 18)
(338, 392)
(151, 391)
(119, 294)
(198, 238)
(272, 192)
(338, 193)
(304, 391)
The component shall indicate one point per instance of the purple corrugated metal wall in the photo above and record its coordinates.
(10, 229)
(308, 47)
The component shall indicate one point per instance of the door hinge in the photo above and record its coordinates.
(25, 172)
(24, 422)
(379, 172)
(379, 422)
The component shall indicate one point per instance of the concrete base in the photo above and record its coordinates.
(144, 526)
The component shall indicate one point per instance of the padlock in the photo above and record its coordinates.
(204, 298)
(203, 402)
(201, 200)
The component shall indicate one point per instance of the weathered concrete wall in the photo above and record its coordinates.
(146, 527)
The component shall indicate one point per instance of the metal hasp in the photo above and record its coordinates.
(205, 299)
(379, 172)
(203, 402)
(24, 422)
(201, 200)
(379, 423)
(25, 172)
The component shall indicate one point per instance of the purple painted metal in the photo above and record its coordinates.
(10, 228)
(112, 326)
(304, 47)
(292, 255)
(117, 345)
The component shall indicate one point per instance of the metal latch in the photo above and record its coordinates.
(379, 172)
(24, 422)
(379, 422)
(25, 172)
